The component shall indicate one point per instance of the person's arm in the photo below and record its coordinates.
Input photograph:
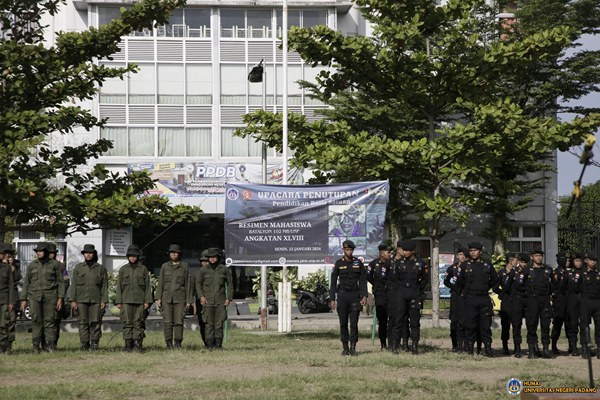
(371, 272)
(118, 291)
(148, 300)
(11, 293)
(25, 291)
(493, 277)
(73, 293)
(362, 283)
(498, 287)
(199, 288)
(159, 287)
(448, 278)
(60, 278)
(424, 277)
(229, 286)
(189, 288)
(333, 285)
(104, 291)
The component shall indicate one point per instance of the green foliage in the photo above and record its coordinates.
(568, 239)
(273, 279)
(310, 282)
(41, 86)
(112, 287)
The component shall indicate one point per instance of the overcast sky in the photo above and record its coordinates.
(568, 165)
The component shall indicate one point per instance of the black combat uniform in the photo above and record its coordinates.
(559, 300)
(506, 305)
(477, 279)
(380, 276)
(590, 302)
(572, 289)
(457, 327)
(352, 287)
(410, 279)
(516, 285)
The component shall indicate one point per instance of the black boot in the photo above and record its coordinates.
(178, 344)
(461, 347)
(547, 353)
(505, 347)
(128, 345)
(479, 352)
(8, 348)
(84, 346)
(353, 349)
(538, 353)
(395, 345)
(488, 350)
(415, 347)
(469, 348)
(219, 344)
(169, 344)
(95, 345)
(36, 346)
(532, 353)
(210, 343)
(570, 348)
(518, 353)
(346, 351)
(454, 344)
(404, 344)
(137, 344)
(573, 346)
(554, 348)
(383, 344)
(51, 346)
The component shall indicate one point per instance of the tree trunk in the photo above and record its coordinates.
(395, 234)
(499, 229)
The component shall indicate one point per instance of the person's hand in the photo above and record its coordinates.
(59, 304)
(120, 306)
(332, 305)
(74, 305)
(187, 305)
(23, 305)
(363, 301)
(226, 302)
(11, 307)
(195, 310)
(158, 302)
(146, 306)
(203, 301)
(102, 306)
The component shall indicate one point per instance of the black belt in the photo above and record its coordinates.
(407, 285)
(349, 288)
(477, 293)
(541, 293)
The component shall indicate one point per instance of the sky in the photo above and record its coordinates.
(569, 168)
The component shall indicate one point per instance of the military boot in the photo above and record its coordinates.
(395, 345)
(461, 347)
(169, 344)
(128, 345)
(405, 344)
(488, 350)
(137, 344)
(8, 348)
(538, 353)
(574, 352)
(95, 345)
(454, 344)
(51, 346)
(518, 353)
(346, 351)
(554, 348)
(532, 353)
(210, 344)
(353, 349)
(84, 346)
(178, 344)
(547, 353)
(570, 348)
(415, 347)
(505, 347)
(383, 344)
(479, 352)
(218, 344)
(469, 348)
(36, 346)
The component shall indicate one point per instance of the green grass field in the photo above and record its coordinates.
(297, 366)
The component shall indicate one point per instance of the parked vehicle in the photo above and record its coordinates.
(317, 301)
(272, 304)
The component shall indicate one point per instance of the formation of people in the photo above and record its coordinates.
(45, 291)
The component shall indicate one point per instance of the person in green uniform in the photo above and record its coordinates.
(7, 301)
(6, 255)
(210, 285)
(65, 312)
(174, 295)
(89, 295)
(133, 298)
(45, 289)
(197, 304)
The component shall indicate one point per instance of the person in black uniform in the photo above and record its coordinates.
(379, 275)
(410, 279)
(590, 301)
(516, 286)
(477, 279)
(457, 327)
(559, 300)
(571, 288)
(504, 295)
(352, 293)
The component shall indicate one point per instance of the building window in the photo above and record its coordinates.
(172, 141)
(113, 90)
(234, 146)
(525, 238)
(170, 83)
(141, 85)
(199, 83)
(301, 19)
(233, 84)
(252, 24)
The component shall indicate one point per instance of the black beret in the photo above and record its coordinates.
(523, 257)
(561, 255)
(575, 256)
(384, 247)
(348, 244)
(591, 255)
(510, 255)
(536, 250)
(400, 244)
(475, 245)
(409, 245)
(464, 250)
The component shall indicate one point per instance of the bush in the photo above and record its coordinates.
(310, 282)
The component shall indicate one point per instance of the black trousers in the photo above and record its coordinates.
(574, 312)
(457, 327)
(559, 305)
(348, 308)
(408, 302)
(590, 309)
(478, 317)
(519, 309)
(382, 309)
(506, 311)
(539, 312)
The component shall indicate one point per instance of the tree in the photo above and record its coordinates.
(45, 189)
(429, 59)
(569, 228)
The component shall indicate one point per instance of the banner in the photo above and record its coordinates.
(303, 225)
(208, 179)
(446, 260)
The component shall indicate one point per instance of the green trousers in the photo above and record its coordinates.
(90, 322)
(12, 324)
(4, 325)
(133, 317)
(201, 320)
(214, 316)
(44, 320)
(173, 315)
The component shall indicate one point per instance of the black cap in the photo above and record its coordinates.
(409, 245)
(174, 248)
(400, 244)
(89, 248)
(213, 252)
(348, 244)
(203, 256)
(537, 250)
(510, 255)
(133, 250)
(52, 248)
(463, 249)
(591, 255)
(6, 248)
(575, 256)
(384, 247)
(41, 246)
(523, 257)
(475, 245)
